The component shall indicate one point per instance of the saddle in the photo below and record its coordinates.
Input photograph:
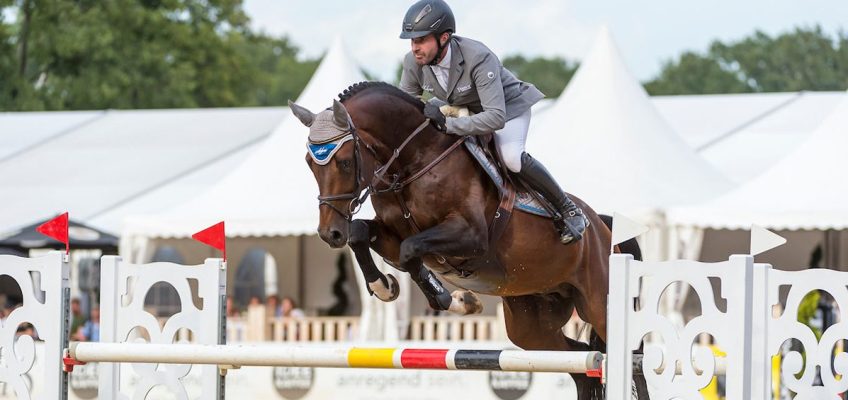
(483, 150)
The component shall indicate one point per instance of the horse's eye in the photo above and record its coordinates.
(345, 165)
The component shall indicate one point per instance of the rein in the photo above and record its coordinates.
(358, 197)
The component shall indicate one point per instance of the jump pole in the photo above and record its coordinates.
(577, 362)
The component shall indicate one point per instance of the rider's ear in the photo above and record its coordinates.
(446, 36)
(340, 116)
(305, 116)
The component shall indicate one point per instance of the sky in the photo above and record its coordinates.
(648, 32)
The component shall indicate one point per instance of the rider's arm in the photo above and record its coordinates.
(408, 78)
(487, 80)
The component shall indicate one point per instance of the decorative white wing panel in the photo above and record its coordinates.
(123, 289)
(816, 352)
(44, 286)
(731, 327)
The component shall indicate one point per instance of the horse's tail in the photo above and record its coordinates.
(631, 246)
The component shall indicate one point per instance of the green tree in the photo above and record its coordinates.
(279, 76)
(86, 54)
(804, 59)
(693, 73)
(550, 75)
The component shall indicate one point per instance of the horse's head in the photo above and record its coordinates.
(333, 156)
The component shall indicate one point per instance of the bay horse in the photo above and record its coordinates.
(433, 206)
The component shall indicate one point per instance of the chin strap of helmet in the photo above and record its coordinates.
(438, 56)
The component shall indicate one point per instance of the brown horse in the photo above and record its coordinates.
(433, 207)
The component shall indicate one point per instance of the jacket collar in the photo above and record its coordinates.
(457, 65)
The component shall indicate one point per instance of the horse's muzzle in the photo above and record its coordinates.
(333, 237)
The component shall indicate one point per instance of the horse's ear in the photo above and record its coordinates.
(340, 117)
(305, 116)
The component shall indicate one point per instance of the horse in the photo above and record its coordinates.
(433, 204)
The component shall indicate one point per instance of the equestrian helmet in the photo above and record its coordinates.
(427, 17)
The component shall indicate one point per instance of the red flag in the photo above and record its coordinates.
(213, 236)
(56, 228)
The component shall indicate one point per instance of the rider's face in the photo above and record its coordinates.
(424, 49)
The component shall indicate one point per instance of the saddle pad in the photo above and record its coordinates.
(527, 203)
(523, 200)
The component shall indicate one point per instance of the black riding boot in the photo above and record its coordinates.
(571, 222)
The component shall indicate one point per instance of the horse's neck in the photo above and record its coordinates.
(424, 148)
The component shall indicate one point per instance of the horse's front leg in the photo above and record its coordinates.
(370, 234)
(453, 238)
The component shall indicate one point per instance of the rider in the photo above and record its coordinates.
(464, 72)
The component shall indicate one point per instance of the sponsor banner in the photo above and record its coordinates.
(386, 384)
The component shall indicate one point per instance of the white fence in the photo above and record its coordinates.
(736, 297)
(737, 300)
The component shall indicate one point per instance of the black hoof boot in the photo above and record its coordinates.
(436, 294)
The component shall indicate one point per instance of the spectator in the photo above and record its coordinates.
(26, 328)
(91, 329)
(289, 308)
(232, 310)
(254, 301)
(77, 319)
(272, 306)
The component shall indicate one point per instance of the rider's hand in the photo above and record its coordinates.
(437, 119)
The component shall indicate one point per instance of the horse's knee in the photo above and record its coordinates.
(409, 250)
(359, 233)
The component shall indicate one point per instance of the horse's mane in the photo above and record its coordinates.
(382, 87)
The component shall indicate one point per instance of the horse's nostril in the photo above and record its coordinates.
(335, 235)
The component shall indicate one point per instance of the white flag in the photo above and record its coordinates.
(624, 229)
(763, 240)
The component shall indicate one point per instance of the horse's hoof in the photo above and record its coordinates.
(465, 302)
(384, 293)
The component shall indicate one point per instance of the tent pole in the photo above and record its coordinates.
(831, 249)
(301, 268)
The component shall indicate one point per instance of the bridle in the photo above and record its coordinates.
(355, 199)
(360, 194)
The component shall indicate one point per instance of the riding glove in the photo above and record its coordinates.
(437, 119)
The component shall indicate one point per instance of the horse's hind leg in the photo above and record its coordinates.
(535, 322)
(364, 235)
(453, 238)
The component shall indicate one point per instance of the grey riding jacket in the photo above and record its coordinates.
(478, 81)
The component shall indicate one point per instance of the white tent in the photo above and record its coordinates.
(743, 135)
(273, 192)
(802, 197)
(93, 164)
(805, 190)
(23, 131)
(606, 143)
(269, 203)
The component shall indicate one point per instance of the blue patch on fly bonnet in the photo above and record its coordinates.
(322, 153)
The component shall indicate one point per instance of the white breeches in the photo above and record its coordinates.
(510, 140)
